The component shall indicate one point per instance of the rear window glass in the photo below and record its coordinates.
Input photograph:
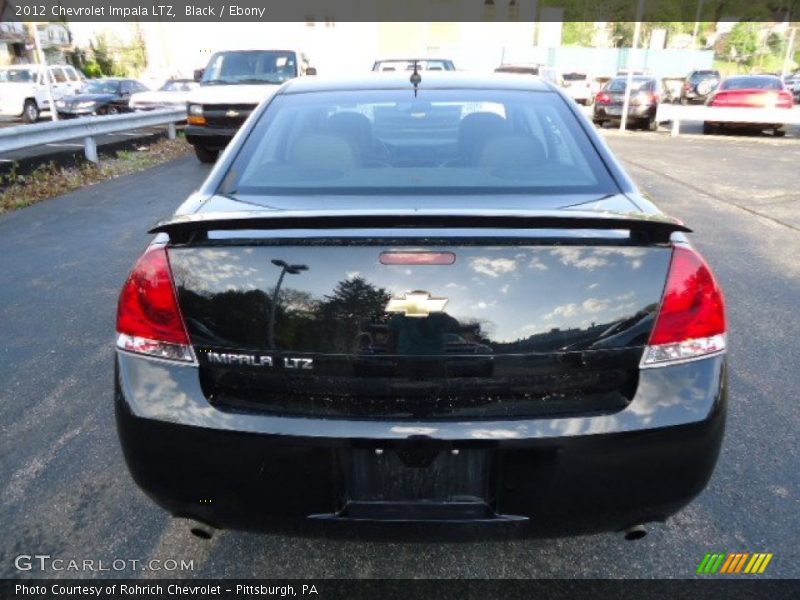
(751, 83)
(442, 141)
(703, 75)
(574, 76)
(17, 75)
(618, 85)
(408, 65)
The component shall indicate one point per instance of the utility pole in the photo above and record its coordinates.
(789, 52)
(637, 30)
(697, 23)
(33, 31)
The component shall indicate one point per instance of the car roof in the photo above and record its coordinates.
(452, 80)
(764, 76)
(634, 78)
(420, 59)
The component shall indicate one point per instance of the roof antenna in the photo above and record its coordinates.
(415, 78)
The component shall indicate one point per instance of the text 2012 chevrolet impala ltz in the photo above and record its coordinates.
(434, 302)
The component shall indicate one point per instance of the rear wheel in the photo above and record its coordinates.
(30, 111)
(708, 128)
(109, 110)
(779, 131)
(205, 155)
(598, 122)
(650, 124)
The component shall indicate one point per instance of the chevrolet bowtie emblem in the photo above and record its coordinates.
(232, 113)
(416, 304)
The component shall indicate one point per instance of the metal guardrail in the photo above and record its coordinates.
(718, 114)
(87, 128)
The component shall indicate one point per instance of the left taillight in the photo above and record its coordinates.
(691, 320)
(148, 318)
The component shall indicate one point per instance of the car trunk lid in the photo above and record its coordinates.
(302, 313)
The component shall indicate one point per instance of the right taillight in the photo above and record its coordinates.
(691, 319)
(602, 98)
(148, 318)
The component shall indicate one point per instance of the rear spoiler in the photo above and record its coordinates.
(650, 228)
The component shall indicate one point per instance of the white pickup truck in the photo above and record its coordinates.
(231, 86)
(23, 89)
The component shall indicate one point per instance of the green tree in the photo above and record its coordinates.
(775, 43)
(102, 55)
(577, 33)
(741, 45)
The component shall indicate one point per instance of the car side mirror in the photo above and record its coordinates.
(198, 74)
(311, 71)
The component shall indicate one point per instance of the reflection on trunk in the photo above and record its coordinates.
(504, 331)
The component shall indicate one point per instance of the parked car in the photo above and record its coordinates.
(407, 64)
(750, 91)
(580, 87)
(698, 85)
(231, 86)
(23, 89)
(792, 83)
(643, 106)
(107, 96)
(173, 94)
(240, 329)
(550, 74)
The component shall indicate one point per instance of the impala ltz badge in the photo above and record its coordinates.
(416, 304)
(259, 360)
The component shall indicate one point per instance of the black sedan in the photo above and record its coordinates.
(645, 96)
(468, 221)
(100, 97)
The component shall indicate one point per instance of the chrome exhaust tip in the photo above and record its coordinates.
(634, 533)
(200, 530)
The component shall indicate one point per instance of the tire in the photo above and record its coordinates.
(651, 125)
(30, 111)
(598, 122)
(779, 132)
(708, 128)
(109, 110)
(204, 155)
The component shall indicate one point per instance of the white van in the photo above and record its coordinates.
(231, 86)
(23, 89)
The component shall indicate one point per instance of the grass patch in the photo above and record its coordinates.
(51, 180)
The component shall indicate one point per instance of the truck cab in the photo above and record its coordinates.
(23, 89)
(231, 86)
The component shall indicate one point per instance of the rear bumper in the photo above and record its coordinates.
(212, 138)
(743, 125)
(634, 112)
(557, 475)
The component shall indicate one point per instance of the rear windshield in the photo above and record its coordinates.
(618, 85)
(17, 75)
(752, 83)
(178, 86)
(697, 75)
(574, 76)
(408, 65)
(102, 87)
(441, 141)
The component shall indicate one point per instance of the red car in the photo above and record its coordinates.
(750, 91)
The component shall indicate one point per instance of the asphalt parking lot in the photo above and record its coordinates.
(68, 494)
